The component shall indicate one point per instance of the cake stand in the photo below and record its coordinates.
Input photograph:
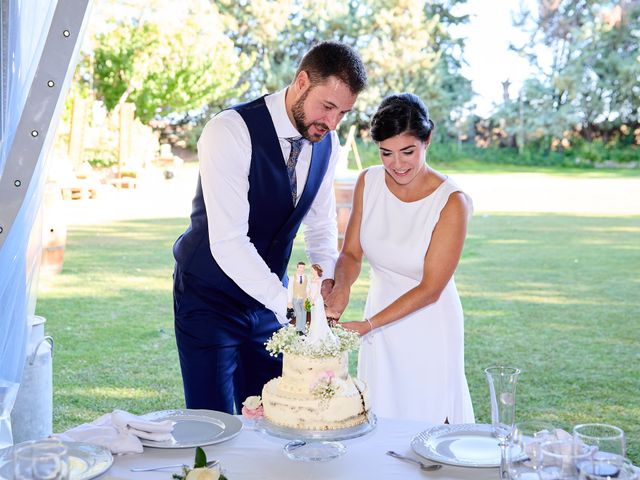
(316, 445)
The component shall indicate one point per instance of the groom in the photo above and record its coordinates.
(266, 166)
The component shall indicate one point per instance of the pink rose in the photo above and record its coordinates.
(253, 414)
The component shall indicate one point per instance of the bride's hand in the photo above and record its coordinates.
(361, 328)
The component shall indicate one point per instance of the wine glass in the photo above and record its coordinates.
(502, 389)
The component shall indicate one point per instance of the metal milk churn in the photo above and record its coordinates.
(32, 414)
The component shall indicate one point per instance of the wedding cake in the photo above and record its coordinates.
(315, 391)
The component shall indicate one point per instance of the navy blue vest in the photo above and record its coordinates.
(273, 220)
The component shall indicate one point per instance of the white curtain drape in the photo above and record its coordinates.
(25, 24)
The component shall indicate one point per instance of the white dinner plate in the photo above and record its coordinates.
(195, 428)
(464, 445)
(86, 461)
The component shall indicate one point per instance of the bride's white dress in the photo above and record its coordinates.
(414, 367)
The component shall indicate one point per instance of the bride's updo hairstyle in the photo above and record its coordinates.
(401, 113)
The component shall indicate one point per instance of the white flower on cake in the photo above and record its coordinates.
(326, 386)
(287, 340)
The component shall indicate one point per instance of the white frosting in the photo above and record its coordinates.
(290, 401)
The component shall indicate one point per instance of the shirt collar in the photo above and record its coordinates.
(278, 111)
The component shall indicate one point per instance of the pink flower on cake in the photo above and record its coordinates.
(252, 408)
(327, 376)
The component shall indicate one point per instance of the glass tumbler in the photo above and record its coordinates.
(41, 460)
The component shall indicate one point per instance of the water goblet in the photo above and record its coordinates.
(41, 460)
(561, 459)
(502, 389)
(608, 440)
(524, 452)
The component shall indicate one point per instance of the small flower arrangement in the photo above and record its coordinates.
(307, 304)
(252, 408)
(200, 471)
(326, 386)
(287, 340)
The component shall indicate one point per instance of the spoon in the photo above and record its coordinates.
(151, 469)
(423, 466)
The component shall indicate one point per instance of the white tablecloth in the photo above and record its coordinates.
(254, 455)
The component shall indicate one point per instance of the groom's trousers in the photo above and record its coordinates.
(221, 345)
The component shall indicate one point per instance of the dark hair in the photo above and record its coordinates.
(401, 113)
(317, 268)
(301, 263)
(330, 58)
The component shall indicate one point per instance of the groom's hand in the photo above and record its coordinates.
(336, 302)
(326, 287)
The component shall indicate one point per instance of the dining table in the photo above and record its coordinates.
(254, 454)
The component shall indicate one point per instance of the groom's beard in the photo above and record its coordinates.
(300, 120)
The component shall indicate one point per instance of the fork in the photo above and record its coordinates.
(423, 466)
(209, 464)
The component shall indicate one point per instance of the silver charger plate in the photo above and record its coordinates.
(195, 428)
(463, 445)
(86, 461)
(322, 435)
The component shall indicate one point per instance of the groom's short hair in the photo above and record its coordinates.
(330, 58)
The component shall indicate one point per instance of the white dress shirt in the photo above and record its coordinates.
(224, 152)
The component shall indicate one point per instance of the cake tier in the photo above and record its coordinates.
(290, 402)
(300, 373)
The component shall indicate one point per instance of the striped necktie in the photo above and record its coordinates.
(296, 148)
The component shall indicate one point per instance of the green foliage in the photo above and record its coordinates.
(587, 83)
(101, 158)
(581, 154)
(406, 46)
(166, 64)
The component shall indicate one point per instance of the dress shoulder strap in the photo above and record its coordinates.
(373, 181)
(445, 190)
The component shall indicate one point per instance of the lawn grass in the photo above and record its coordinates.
(556, 295)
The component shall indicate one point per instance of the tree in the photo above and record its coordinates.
(167, 58)
(412, 50)
(405, 46)
(591, 81)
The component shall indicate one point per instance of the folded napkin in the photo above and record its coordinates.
(532, 448)
(120, 432)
